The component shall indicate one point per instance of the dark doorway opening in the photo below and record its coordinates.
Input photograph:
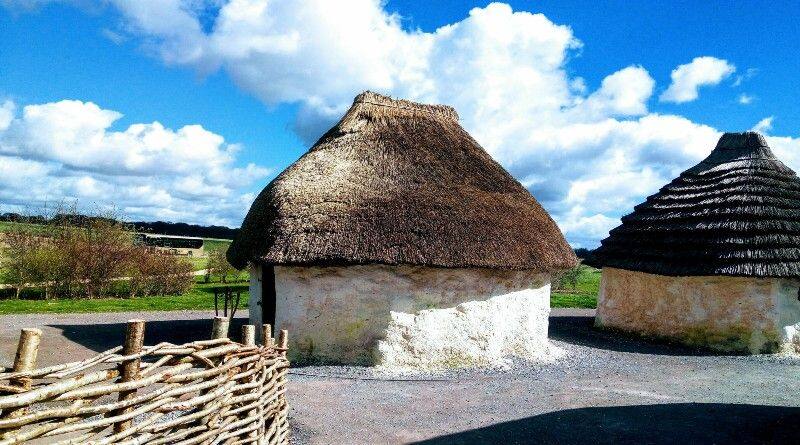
(268, 294)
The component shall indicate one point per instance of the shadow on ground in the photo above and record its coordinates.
(580, 330)
(702, 423)
(102, 337)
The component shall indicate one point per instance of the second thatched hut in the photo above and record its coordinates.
(713, 258)
(397, 240)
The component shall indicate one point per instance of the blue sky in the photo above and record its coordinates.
(579, 103)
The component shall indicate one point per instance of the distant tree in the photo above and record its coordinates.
(218, 264)
(581, 252)
(568, 279)
(74, 255)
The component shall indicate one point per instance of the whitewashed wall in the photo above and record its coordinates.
(254, 304)
(725, 313)
(340, 314)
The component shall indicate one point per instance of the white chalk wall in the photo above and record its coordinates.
(726, 313)
(341, 314)
(254, 303)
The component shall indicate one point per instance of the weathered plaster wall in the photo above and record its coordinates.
(339, 314)
(255, 299)
(726, 313)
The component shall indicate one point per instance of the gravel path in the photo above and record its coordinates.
(606, 389)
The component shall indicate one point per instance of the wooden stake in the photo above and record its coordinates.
(25, 360)
(27, 350)
(266, 334)
(129, 369)
(249, 335)
(220, 328)
(283, 341)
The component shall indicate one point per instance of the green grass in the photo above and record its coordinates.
(6, 226)
(585, 293)
(200, 297)
(214, 243)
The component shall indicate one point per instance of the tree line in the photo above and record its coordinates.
(160, 227)
(88, 258)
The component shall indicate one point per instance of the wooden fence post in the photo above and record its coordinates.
(129, 369)
(27, 351)
(266, 334)
(283, 341)
(25, 360)
(248, 335)
(220, 327)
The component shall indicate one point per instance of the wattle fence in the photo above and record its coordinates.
(206, 392)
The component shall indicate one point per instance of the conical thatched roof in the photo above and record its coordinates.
(397, 182)
(735, 213)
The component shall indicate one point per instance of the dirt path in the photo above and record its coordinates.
(607, 389)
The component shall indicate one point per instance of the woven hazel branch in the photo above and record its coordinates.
(204, 392)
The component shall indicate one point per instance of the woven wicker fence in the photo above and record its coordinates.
(206, 392)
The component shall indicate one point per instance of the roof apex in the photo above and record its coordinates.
(375, 99)
(747, 139)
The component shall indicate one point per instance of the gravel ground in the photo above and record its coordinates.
(606, 389)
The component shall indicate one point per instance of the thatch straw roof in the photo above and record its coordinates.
(397, 182)
(735, 213)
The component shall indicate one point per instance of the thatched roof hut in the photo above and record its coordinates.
(396, 182)
(735, 214)
(397, 185)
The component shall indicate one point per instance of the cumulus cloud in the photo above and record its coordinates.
(586, 155)
(66, 150)
(688, 78)
(764, 125)
(745, 99)
(589, 154)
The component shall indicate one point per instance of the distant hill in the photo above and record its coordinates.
(183, 229)
(157, 227)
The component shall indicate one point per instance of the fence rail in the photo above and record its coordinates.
(205, 392)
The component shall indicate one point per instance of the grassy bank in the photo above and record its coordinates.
(200, 297)
(584, 295)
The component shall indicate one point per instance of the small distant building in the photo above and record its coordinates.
(173, 244)
(397, 240)
(713, 258)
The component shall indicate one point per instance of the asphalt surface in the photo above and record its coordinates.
(606, 389)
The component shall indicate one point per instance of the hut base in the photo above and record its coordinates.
(483, 334)
(410, 316)
(729, 314)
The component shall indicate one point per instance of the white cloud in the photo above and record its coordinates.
(588, 154)
(745, 99)
(624, 93)
(6, 114)
(764, 125)
(701, 71)
(749, 73)
(66, 150)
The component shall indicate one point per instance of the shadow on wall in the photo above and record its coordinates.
(580, 330)
(690, 423)
(102, 337)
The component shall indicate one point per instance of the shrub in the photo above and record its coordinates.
(568, 279)
(218, 264)
(88, 257)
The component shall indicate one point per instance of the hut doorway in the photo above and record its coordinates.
(268, 294)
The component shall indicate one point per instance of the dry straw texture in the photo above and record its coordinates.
(206, 392)
(736, 213)
(397, 182)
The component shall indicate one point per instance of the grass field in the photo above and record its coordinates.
(200, 297)
(585, 293)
